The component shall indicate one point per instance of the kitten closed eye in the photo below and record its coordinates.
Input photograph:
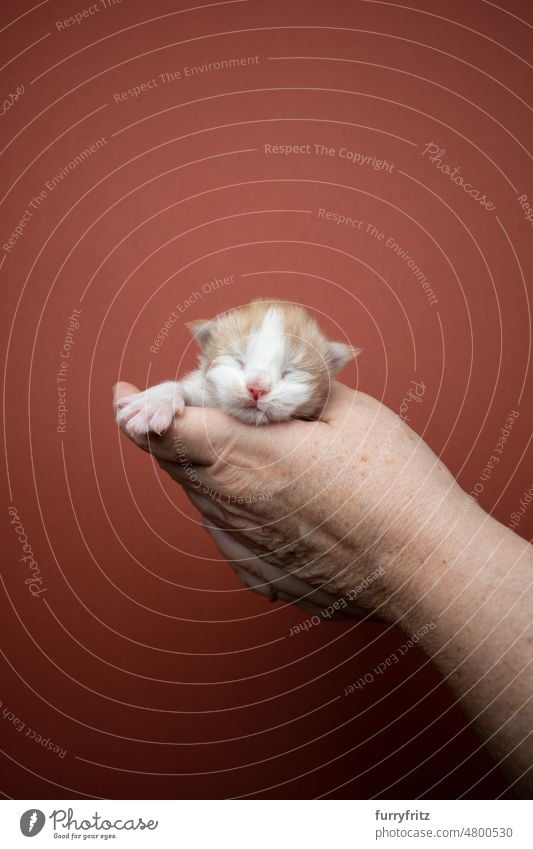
(283, 370)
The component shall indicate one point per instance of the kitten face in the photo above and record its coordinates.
(268, 361)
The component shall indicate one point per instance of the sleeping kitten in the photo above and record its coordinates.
(265, 362)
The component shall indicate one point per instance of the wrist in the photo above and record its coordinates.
(425, 565)
(459, 561)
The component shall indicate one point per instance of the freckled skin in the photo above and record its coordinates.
(333, 517)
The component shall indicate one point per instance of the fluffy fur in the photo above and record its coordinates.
(264, 362)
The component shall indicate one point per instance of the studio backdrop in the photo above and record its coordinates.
(166, 161)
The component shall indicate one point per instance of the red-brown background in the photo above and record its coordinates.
(144, 658)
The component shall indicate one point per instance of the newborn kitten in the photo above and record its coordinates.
(265, 362)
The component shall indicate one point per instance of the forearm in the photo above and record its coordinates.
(359, 505)
(475, 585)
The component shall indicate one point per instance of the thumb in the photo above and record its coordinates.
(122, 390)
(199, 435)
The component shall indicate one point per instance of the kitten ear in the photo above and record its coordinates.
(338, 354)
(200, 330)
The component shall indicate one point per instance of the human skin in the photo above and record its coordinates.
(357, 494)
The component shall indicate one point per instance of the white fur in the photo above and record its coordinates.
(151, 410)
(264, 355)
(265, 350)
(262, 359)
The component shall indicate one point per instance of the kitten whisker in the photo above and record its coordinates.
(274, 343)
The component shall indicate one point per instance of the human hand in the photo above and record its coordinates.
(309, 511)
(358, 506)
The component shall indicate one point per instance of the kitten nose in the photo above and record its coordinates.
(256, 391)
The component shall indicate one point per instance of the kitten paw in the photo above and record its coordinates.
(152, 410)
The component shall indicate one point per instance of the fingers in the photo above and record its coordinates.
(263, 577)
(121, 390)
(199, 435)
(202, 435)
(242, 560)
(231, 548)
(188, 476)
(211, 510)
